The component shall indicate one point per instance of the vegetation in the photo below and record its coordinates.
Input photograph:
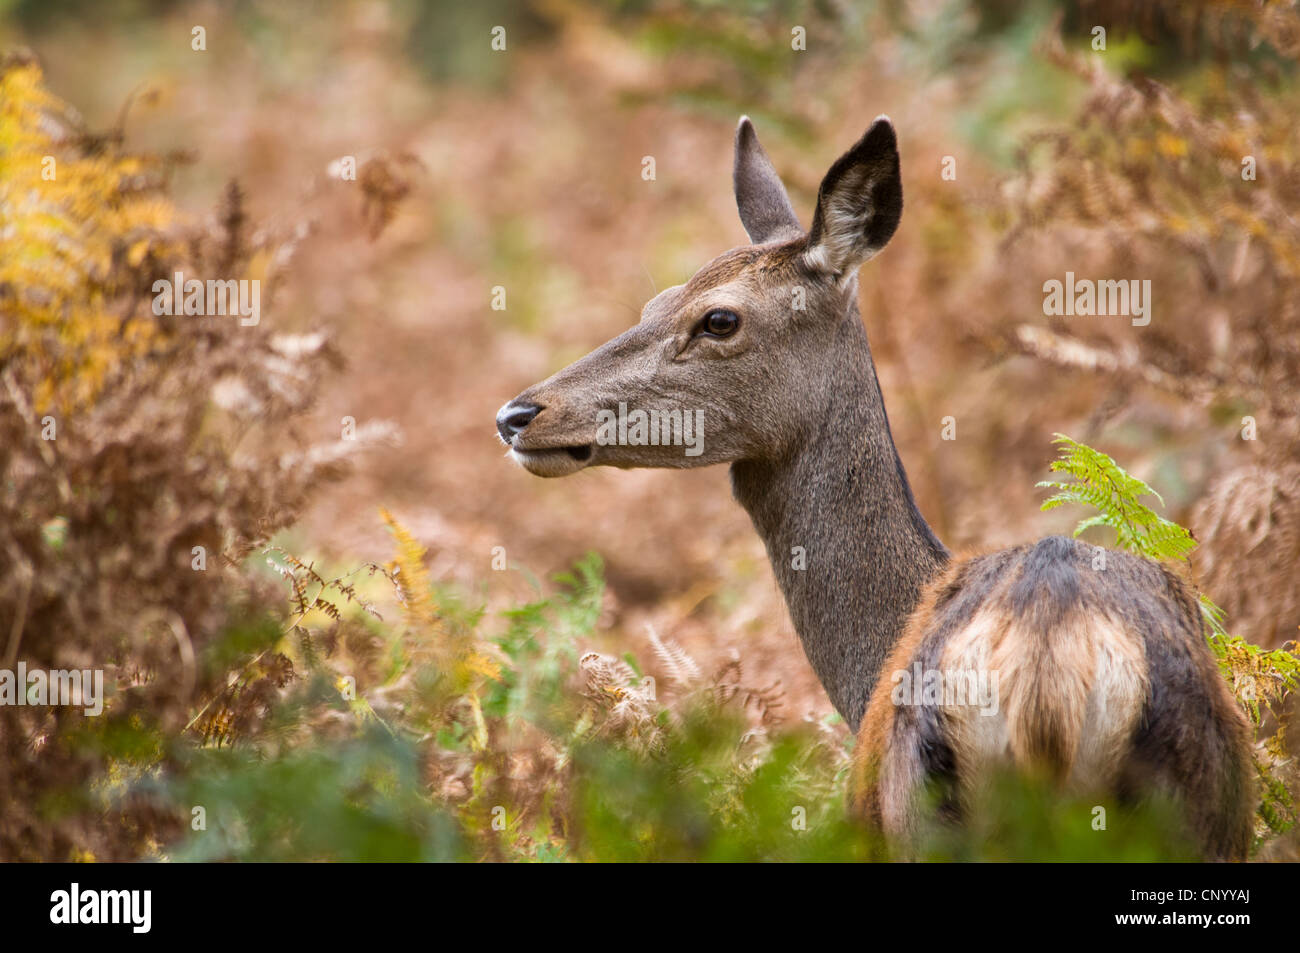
(178, 508)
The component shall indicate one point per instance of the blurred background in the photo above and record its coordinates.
(522, 168)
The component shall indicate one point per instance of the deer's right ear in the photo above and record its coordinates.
(859, 204)
(764, 206)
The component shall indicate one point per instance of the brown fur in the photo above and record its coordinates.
(873, 744)
(722, 270)
(1075, 691)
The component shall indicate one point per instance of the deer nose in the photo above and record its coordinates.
(513, 418)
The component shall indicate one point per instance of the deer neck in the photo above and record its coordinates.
(849, 547)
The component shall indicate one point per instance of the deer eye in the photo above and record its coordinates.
(719, 324)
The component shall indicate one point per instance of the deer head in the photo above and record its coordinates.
(740, 361)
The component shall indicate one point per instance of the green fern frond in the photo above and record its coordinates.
(1097, 481)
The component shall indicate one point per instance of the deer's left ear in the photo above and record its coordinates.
(764, 206)
(859, 204)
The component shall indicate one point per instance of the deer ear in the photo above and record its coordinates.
(859, 204)
(765, 208)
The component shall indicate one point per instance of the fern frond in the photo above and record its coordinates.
(412, 578)
(1097, 481)
(681, 668)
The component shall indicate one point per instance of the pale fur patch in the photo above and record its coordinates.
(1069, 699)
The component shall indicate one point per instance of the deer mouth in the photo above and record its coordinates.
(553, 461)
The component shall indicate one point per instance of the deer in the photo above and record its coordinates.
(1105, 679)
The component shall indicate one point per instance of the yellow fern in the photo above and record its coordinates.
(412, 578)
(464, 660)
(63, 208)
